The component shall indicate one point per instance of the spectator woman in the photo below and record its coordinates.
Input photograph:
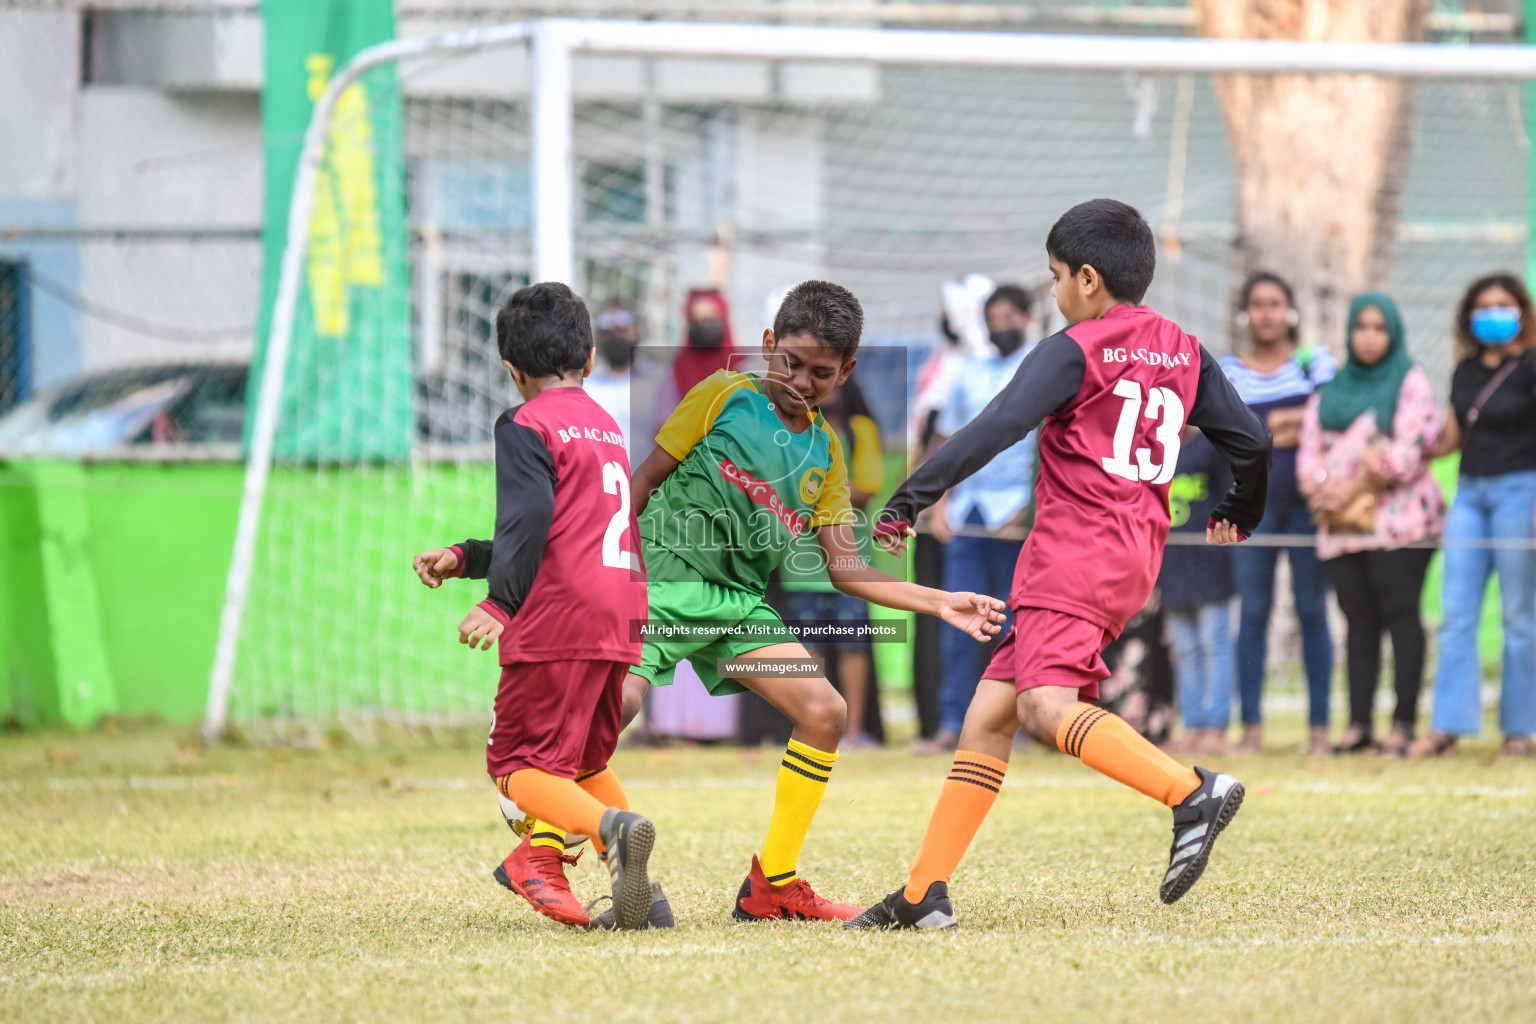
(1363, 464)
(1493, 420)
(1276, 377)
(707, 342)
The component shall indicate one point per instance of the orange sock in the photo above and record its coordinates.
(604, 787)
(967, 796)
(1107, 744)
(553, 799)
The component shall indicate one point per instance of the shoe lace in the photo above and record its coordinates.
(589, 907)
(799, 893)
(543, 856)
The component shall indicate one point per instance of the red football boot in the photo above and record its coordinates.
(759, 900)
(537, 874)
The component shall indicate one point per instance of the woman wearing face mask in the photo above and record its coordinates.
(983, 520)
(1276, 377)
(615, 333)
(707, 347)
(1493, 421)
(1363, 465)
(707, 343)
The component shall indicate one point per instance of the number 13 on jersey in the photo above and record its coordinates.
(1160, 402)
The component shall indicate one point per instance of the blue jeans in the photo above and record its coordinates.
(1254, 568)
(984, 565)
(1203, 663)
(1488, 507)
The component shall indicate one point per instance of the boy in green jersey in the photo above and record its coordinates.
(744, 465)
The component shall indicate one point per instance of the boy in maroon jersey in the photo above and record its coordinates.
(1115, 390)
(566, 550)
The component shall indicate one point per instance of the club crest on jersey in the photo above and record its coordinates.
(1141, 355)
(762, 492)
(810, 484)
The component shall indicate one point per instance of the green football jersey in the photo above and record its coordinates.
(747, 485)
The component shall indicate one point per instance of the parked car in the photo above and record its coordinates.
(133, 410)
(197, 410)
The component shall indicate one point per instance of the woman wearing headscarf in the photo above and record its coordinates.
(686, 709)
(1363, 466)
(707, 342)
(707, 346)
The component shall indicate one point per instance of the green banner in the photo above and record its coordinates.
(350, 391)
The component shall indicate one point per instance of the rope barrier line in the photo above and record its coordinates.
(1281, 540)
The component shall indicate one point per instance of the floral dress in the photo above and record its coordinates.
(1411, 508)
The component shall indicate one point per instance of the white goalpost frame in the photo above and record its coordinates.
(553, 42)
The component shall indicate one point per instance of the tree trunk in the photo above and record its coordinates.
(1321, 159)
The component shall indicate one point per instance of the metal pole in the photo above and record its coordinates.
(553, 203)
(1530, 156)
(1048, 52)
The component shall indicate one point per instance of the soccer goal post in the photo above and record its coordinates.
(635, 158)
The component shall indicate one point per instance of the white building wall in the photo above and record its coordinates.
(779, 175)
(39, 92)
(39, 78)
(157, 160)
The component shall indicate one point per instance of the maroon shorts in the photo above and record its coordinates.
(561, 717)
(1047, 648)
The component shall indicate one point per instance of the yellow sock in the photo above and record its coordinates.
(1107, 744)
(802, 781)
(542, 833)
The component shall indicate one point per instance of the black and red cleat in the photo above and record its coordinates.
(760, 900)
(537, 874)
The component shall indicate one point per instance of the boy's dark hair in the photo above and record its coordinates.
(1012, 294)
(1112, 238)
(544, 330)
(827, 312)
(1467, 345)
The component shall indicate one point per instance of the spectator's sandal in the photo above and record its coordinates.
(1436, 744)
(1359, 745)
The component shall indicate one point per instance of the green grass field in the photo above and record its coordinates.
(144, 880)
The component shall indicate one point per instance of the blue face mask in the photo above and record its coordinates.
(1495, 325)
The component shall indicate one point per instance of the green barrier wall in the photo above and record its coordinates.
(110, 599)
(114, 575)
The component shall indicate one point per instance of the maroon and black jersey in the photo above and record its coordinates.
(564, 568)
(1115, 394)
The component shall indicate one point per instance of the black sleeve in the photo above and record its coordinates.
(1239, 434)
(525, 504)
(477, 558)
(1048, 378)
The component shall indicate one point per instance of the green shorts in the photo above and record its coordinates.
(682, 595)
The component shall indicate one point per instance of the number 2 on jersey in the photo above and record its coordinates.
(1160, 400)
(616, 481)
